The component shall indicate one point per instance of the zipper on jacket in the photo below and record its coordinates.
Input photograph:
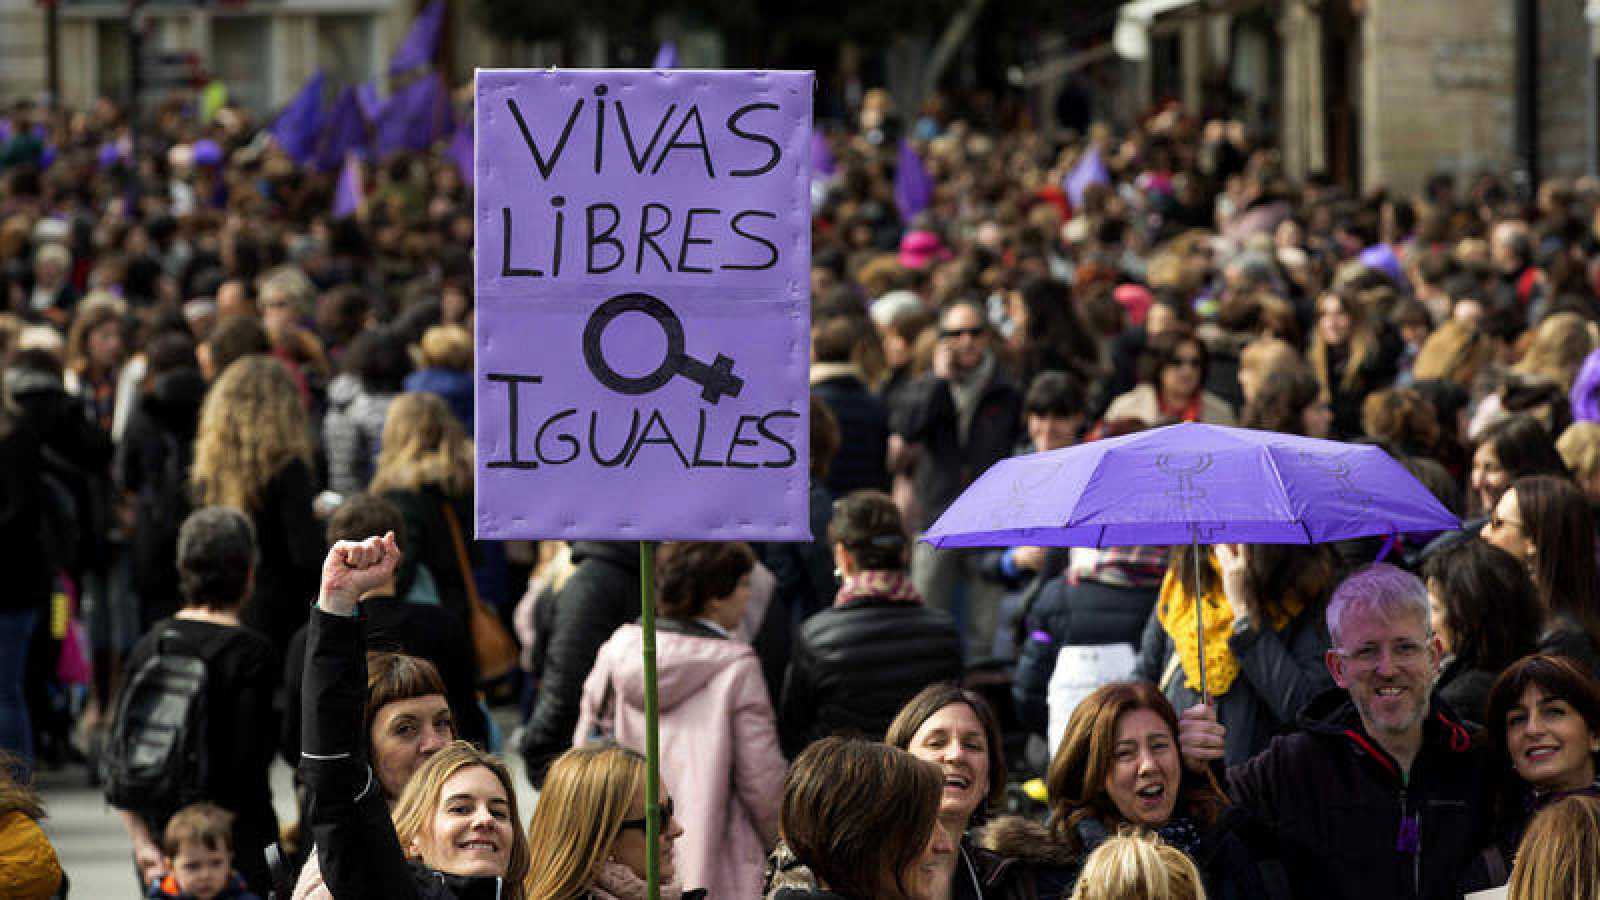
(1409, 839)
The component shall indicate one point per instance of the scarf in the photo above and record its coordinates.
(896, 587)
(1175, 610)
(616, 881)
(1182, 833)
(1537, 801)
(967, 390)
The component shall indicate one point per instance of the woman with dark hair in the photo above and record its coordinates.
(1485, 613)
(1289, 402)
(358, 401)
(1172, 386)
(956, 730)
(862, 818)
(855, 664)
(1351, 357)
(1545, 522)
(1047, 334)
(1544, 720)
(1507, 450)
(1264, 637)
(720, 737)
(1119, 766)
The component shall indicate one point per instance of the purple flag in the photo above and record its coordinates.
(421, 41)
(666, 56)
(348, 193)
(613, 369)
(913, 187)
(5, 130)
(822, 162)
(344, 133)
(415, 117)
(461, 152)
(1089, 170)
(371, 104)
(296, 128)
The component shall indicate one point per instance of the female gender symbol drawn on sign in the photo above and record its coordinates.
(715, 380)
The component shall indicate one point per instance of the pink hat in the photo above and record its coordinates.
(1135, 299)
(920, 248)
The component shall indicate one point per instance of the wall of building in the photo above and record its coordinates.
(1438, 89)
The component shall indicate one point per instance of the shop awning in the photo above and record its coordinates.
(1132, 37)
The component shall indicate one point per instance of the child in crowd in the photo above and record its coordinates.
(197, 851)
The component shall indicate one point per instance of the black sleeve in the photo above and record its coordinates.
(926, 405)
(356, 844)
(798, 708)
(304, 536)
(583, 622)
(294, 666)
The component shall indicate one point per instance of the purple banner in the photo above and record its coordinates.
(643, 310)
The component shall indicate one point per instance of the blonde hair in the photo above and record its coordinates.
(423, 444)
(446, 347)
(1559, 345)
(251, 426)
(424, 792)
(586, 798)
(1456, 351)
(1137, 866)
(1559, 857)
(1579, 447)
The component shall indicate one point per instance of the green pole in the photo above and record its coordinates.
(652, 733)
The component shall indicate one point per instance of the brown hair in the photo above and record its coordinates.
(1556, 676)
(858, 814)
(868, 524)
(1559, 857)
(928, 702)
(1402, 418)
(691, 574)
(825, 438)
(415, 809)
(1363, 342)
(1082, 765)
(205, 824)
(1579, 446)
(396, 676)
(362, 516)
(1557, 520)
(15, 795)
(1456, 351)
(423, 444)
(94, 311)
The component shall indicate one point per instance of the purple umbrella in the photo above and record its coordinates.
(1191, 484)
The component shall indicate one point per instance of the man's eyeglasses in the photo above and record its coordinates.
(642, 823)
(1402, 652)
(950, 334)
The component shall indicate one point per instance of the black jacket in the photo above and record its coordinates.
(29, 573)
(927, 416)
(1087, 613)
(863, 459)
(356, 844)
(152, 463)
(1233, 857)
(1335, 801)
(601, 595)
(855, 665)
(290, 548)
(1466, 689)
(428, 533)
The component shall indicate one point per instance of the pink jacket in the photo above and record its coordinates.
(720, 761)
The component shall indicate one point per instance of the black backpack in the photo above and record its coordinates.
(155, 761)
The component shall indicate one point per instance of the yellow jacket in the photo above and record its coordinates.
(29, 869)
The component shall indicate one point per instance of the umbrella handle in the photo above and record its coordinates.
(1199, 616)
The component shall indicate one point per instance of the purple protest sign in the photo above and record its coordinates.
(643, 260)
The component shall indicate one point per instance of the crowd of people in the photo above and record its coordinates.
(222, 403)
